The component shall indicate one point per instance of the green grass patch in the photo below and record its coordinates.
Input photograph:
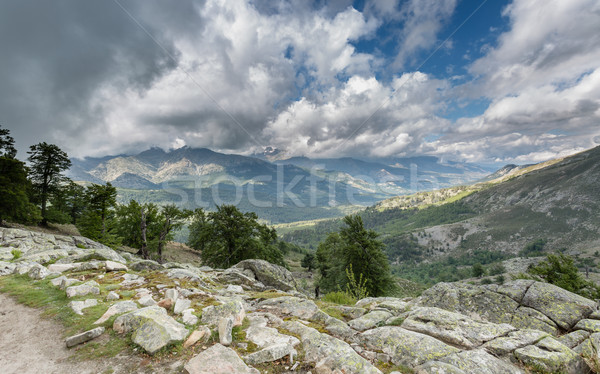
(339, 297)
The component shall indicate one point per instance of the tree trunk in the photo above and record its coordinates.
(143, 226)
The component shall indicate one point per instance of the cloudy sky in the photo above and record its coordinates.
(491, 81)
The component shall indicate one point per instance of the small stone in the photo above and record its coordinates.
(147, 301)
(225, 328)
(86, 288)
(84, 337)
(172, 294)
(203, 333)
(60, 268)
(189, 318)
(79, 306)
(181, 305)
(218, 360)
(38, 272)
(115, 266)
(118, 308)
(112, 295)
(166, 303)
(66, 282)
(234, 288)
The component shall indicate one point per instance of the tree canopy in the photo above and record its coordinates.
(228, 236)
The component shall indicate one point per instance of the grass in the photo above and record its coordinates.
(340, 298)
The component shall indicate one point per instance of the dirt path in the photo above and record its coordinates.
(32, 344)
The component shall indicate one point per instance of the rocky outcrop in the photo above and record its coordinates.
(518, 327)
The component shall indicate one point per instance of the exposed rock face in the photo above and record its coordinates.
(269, 274)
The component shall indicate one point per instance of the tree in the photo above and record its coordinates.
(172, 219)
(232, 236)
(308, 261)
(561, 271)
(100, 199)
(7, 144)
(358, 250)
(534, 249)
(477, 270)
(47, 162)
(199, 230)
(137, 225)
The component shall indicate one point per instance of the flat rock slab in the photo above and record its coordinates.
(517, 339)
(369, 320)
(590, 325)
(290, 306)
(218, 359)
(271, 353)
(79, 306)
(115, 266)
(480, 362)
(233, 308)
(454, 328)
(405, 347)
(551, 356)
(90, 287)
(84, 337)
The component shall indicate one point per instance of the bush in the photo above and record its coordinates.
(534, 249)
(16, 254)
(339, 297)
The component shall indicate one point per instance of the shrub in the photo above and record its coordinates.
(16, 254)
(339, 297)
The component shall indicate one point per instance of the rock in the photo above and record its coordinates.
(515, 289)
(218, 360)
(152, 328)
(436, 367)
(369, 320)
(79, 306)
(528, 318)
(225, 328)
(517, 339)
(189, 318)
(146, 300)
(66, 282)
(264, 336)
(90, 287)
(115, 266)
(591, 325)
(236, 276)
(405, 347)
(166, 304)
(6, 268)
(561, 306)
(590, 350)
(172, 294)
(61, 268)
(38, 272)
(84, 337)
(234, 308)
(328, 353)
(112, 295)
(269, 274)
(271, 353)
(143, 265)
(473, 301)
(234, 288)
(478, 361)
(549, 355)
(574, 338)
(453, 328)
(181, 305)
(195, 276)
(119, 308)
(350, 312)
(57, 281)
(202, 334)
(130, 280)
(290, 306)
(91, 265)
(372, 302)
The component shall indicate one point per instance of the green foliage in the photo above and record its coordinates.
(16, 254)
(7, 144)
(67, 203)
(499, 279)
(358, 249)
(199, 230)
(561, 271)
(534, 249)
(357, 288)
(309, 261)
(496, 269)
(14, 191)
(477, 270)
(339, 297)
(171, 219)
(228, 236)
(97, 221)
(47, 162)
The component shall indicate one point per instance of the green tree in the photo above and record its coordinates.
(308, 261)
(534, 249)
(358, 249)
(171, 219)
(47, 162)
(233, 236)
(560, 270)
(477, 270)
(199, 230)
(98, 221)
(137, 225)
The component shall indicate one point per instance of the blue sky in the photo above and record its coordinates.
(470, 80)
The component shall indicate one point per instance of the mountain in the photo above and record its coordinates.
(556, 201)
(287, 190)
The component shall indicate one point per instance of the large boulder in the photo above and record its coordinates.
(550, 356)
(405, 347)
(152, 328)
(211, 315)
(218, 359)
(561, 306)
(89, 287)
(478, 361)
(269, 274)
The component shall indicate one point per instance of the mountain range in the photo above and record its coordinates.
(316, 188)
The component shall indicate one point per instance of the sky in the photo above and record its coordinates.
(494, 81)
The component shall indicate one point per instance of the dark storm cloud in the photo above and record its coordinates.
(59, 55)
